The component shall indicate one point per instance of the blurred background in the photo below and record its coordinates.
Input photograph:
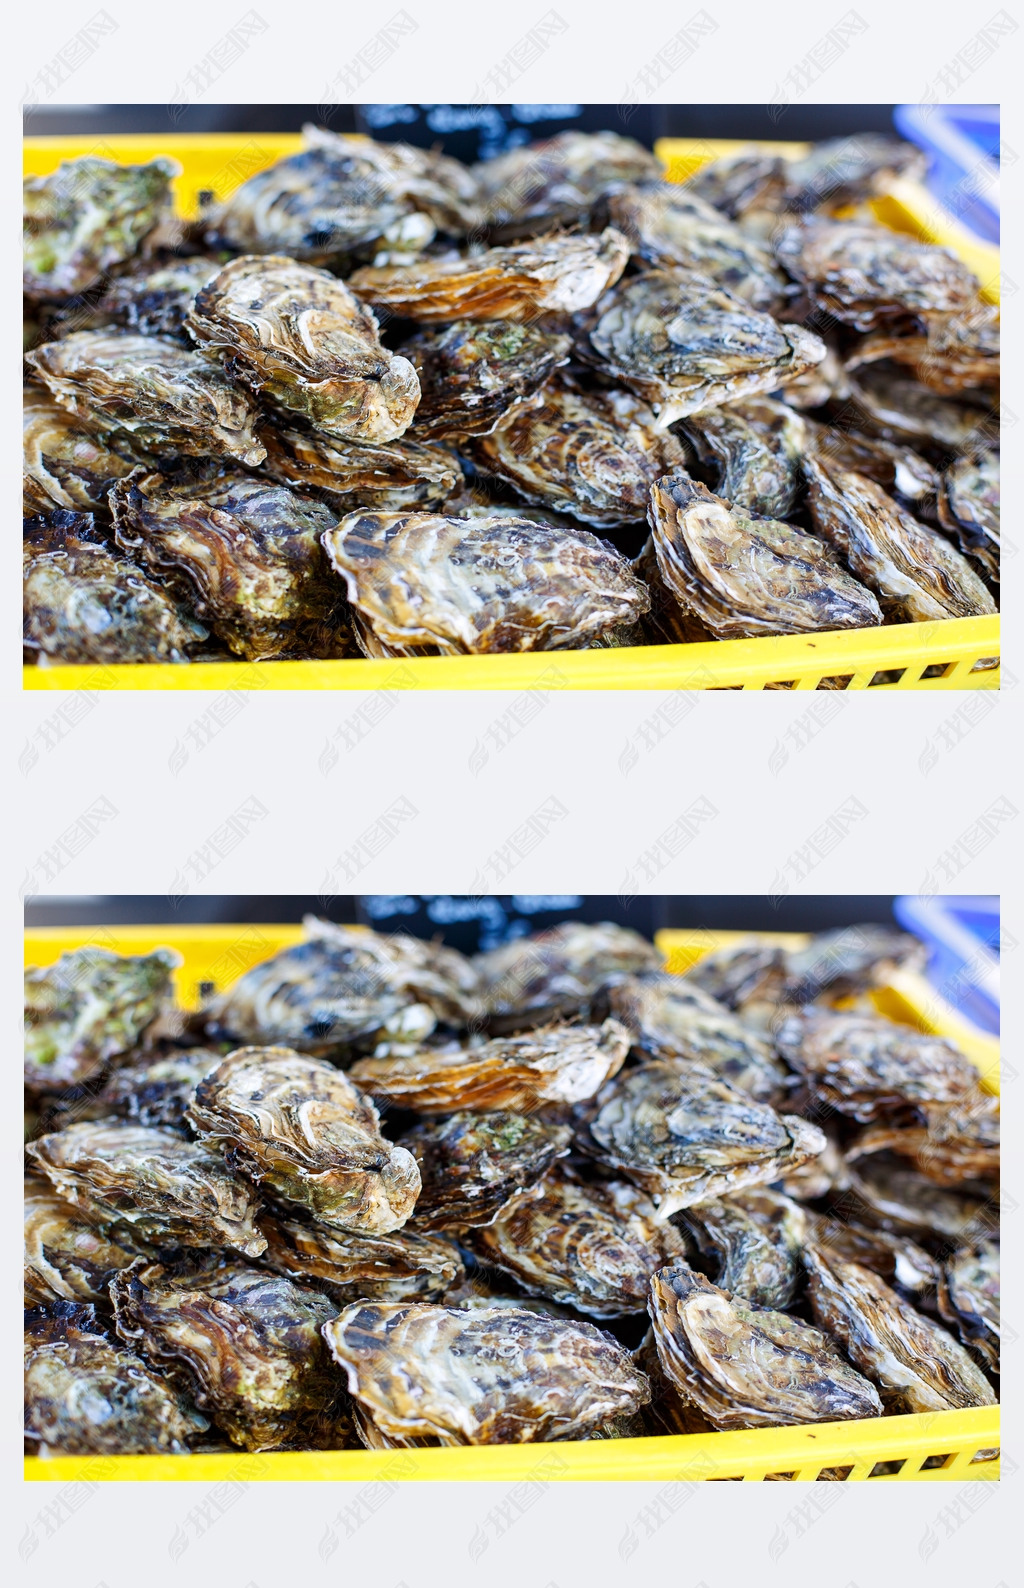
(962, 933)
(962, 141)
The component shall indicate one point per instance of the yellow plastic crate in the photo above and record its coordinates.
(948, 652)
(961, 1445)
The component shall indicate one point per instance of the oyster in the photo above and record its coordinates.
(883, 1190)
(151, 1184)
(157, 1090)
(561, 971)
(757, 446)
(298, 1126)
(65, 463)
(894, 466)
(746, 1366)
(66, 1257)
(683, 343)
(969, 1300)
(88, 1008)
(958, 352)
(247, 1346)
(969, 507)
(84, 604)
(669, 1018)
(560, 181)
(558, 1064)
(166, 398)
(473, 1164)
(684, 1135)
(864, 274)
(388, 477)
(421, 582)
(899, 410)
(592, 454)
(489, 1376)
(747, 180)
(300, 339)
(88, 216)
(755, 1238)
(559, 273)
(863, 1064)
(959, 1142)
(579, 1246)
(404, 1265)
(245, 554)
(476, 372)
(739, 972)
(669, 225)
(819, 384)
(848, 170)
(850, 959)
(344, 984)
(894, 1258)
(916, 1363)
(747, 575)
(86, 1395)
(155, 302)
(917, 573)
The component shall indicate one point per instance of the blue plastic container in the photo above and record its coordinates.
(962, 144)
(963, 938)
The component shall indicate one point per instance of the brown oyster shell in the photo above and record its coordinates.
(561, 971)
(166, 398)
(744, 575)
(958, 352)
(559, 1064)
(476, 373)
(245, 552)
(559, 181)
(156, 1090)
(755, 1238)
(968, 505)
(594, 455)
(247, 1345)
(298, 337)
(67, 1258)
(847, 960)
(883, 1189)
(893, 1257)
(420, 581)
(488, 1376)
(738, 972)
(864, 274)
(90, 1007)
(668, 225)
(889, 405)
(155, 301)
(65, 463)
(472, 1164)
(968, 1297)
(959, 1142)
(895, 467)
(167, 1191)
(746, 1366)
(405, 1265)
(916, 1363)
(847, 170)
(757, 445)
(388, 476)
(299, 1126)
(749, 179)
(559, 273)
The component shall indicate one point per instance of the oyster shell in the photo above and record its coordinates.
(959, 1142)
(757, 446)
(157, 1090)
(473, 1164)
(850, 959)
(492, 1376)
(668, 1018)
(747, 575)
(88, 216)
(388, 477)
(968, 1298)
(894, 466)
(683, 343)
(669, 225)
(561, 971)
(848, 170)
(244, 552)
(559, 273)
(90, 1007)
(917, 573)
(894, 1258)
(166, 398)
(592, 454)
(898, 410)
(755, 1238)
(746, 180)
(65, 463)
(863, 1064)
(958, 352)
(560, 181)
(84, 604)
(559, 1064)
(151, 1183)
(247, 1345)
(298, 1126)
(420, 581)
(747, 1366)
(578, 1246)
(155, 302)
(476, 372)
(916, 1363)
(300, 339)
(86, 1395)
(684, 1135)
(968, 506)
(739, 972)
(882, 1189)
(66, 1257)
(864, 273)
(404, 1265)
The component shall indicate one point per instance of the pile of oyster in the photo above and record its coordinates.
(379, 1194)
(380, 403)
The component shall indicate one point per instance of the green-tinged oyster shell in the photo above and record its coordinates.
(88, 1008)
(88, 216)
(67, 1258)
(472, 1164)
(476, 373)
(66, 464)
